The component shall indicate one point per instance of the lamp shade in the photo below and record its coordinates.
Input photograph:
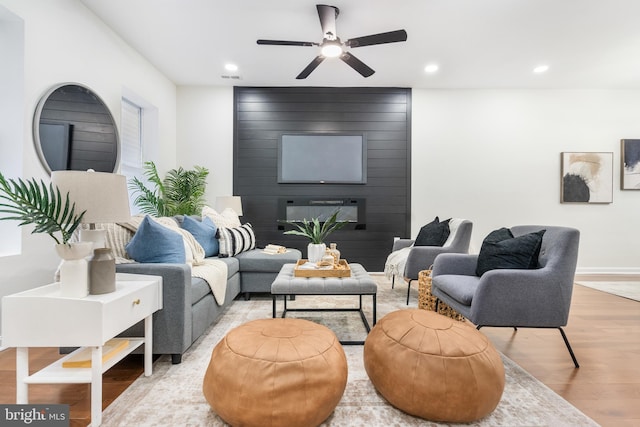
(102, 195)
(233, 202)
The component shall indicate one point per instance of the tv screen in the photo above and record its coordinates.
(322, 158)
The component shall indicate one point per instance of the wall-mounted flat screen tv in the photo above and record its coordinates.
(322, 158)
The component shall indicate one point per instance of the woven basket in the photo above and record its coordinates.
(426, 301)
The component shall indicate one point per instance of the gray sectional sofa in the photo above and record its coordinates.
(189, 307)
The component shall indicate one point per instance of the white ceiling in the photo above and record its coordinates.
(477, 43)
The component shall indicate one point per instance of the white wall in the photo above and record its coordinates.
(205, 135)
(65, 42)
(11, 108)
(493, 156)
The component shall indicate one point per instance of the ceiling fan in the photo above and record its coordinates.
(332, 47)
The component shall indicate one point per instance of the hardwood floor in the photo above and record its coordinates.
(604, 331)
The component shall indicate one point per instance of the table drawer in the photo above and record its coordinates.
(130, 308)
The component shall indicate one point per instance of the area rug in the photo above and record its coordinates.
(625, 289)
(172, 396)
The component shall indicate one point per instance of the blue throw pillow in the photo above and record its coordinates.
(204, 232)
(154, 242)
(501, 250)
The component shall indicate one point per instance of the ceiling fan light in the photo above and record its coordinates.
(331, 50)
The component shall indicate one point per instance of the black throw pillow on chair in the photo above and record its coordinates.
(435, 233)
(501, 250)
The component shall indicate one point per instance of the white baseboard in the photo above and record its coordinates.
(606, 273)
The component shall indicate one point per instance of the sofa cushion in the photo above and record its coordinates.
(155, 243)
(204, 232)
(236, 240)
(199, 288)
(258, 261)
(500, 250)
(459, 287)
(233, 265)
(433, 234)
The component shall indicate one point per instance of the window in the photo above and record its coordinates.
(12, 112)
(131, 143)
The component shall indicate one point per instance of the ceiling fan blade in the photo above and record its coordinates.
(389, 37)
(286, 43)
(312, 66)
(357, 65)
(328, 15)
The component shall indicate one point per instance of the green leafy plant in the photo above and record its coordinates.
(315, 230)
(181, 192)
(33, 202)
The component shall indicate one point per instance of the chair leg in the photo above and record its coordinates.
(408, 290)
(564, 337)
(566, 341)
(393, 281)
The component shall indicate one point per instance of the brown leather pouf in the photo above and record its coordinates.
(433, 367)
(276, 372)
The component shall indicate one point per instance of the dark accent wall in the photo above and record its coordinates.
(262, 114)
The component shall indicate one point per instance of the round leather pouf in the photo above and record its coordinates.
(276, 372)
(433, 367)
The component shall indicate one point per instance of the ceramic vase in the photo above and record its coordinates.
(315, 251)
(74, 270)
(102, 272)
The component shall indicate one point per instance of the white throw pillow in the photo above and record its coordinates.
(228, 218)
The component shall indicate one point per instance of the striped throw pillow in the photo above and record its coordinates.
(236, 240)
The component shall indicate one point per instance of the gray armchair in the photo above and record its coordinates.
(422, 257)
(537, 298)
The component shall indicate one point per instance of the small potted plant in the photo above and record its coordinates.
(33, 202)
(316, 231)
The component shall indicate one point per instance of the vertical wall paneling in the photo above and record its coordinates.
(261, 115)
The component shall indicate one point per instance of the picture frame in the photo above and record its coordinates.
(586, 177)
(630, 164)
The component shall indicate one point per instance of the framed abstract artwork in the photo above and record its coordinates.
(587, 177)
(630, 168)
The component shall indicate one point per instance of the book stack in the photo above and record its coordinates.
(274, 249)
(82, 358)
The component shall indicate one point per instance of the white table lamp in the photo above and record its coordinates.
(102, 195)
(233, 202)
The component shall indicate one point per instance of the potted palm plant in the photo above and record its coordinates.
(34, 202)
(316, 231)
(181, 192)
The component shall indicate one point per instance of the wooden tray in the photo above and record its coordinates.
(342, 271)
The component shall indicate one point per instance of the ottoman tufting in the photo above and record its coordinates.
(276, 372)
(433, 367)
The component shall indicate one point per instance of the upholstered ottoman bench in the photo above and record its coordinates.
(433, 367)
(276, 372)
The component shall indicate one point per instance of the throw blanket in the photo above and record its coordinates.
(213, 271)
(396, 262)
(398, 259)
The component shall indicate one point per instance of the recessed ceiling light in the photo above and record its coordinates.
(541, 69)
(231, 67)
(431, 68)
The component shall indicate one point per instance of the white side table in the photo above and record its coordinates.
(40, 317)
